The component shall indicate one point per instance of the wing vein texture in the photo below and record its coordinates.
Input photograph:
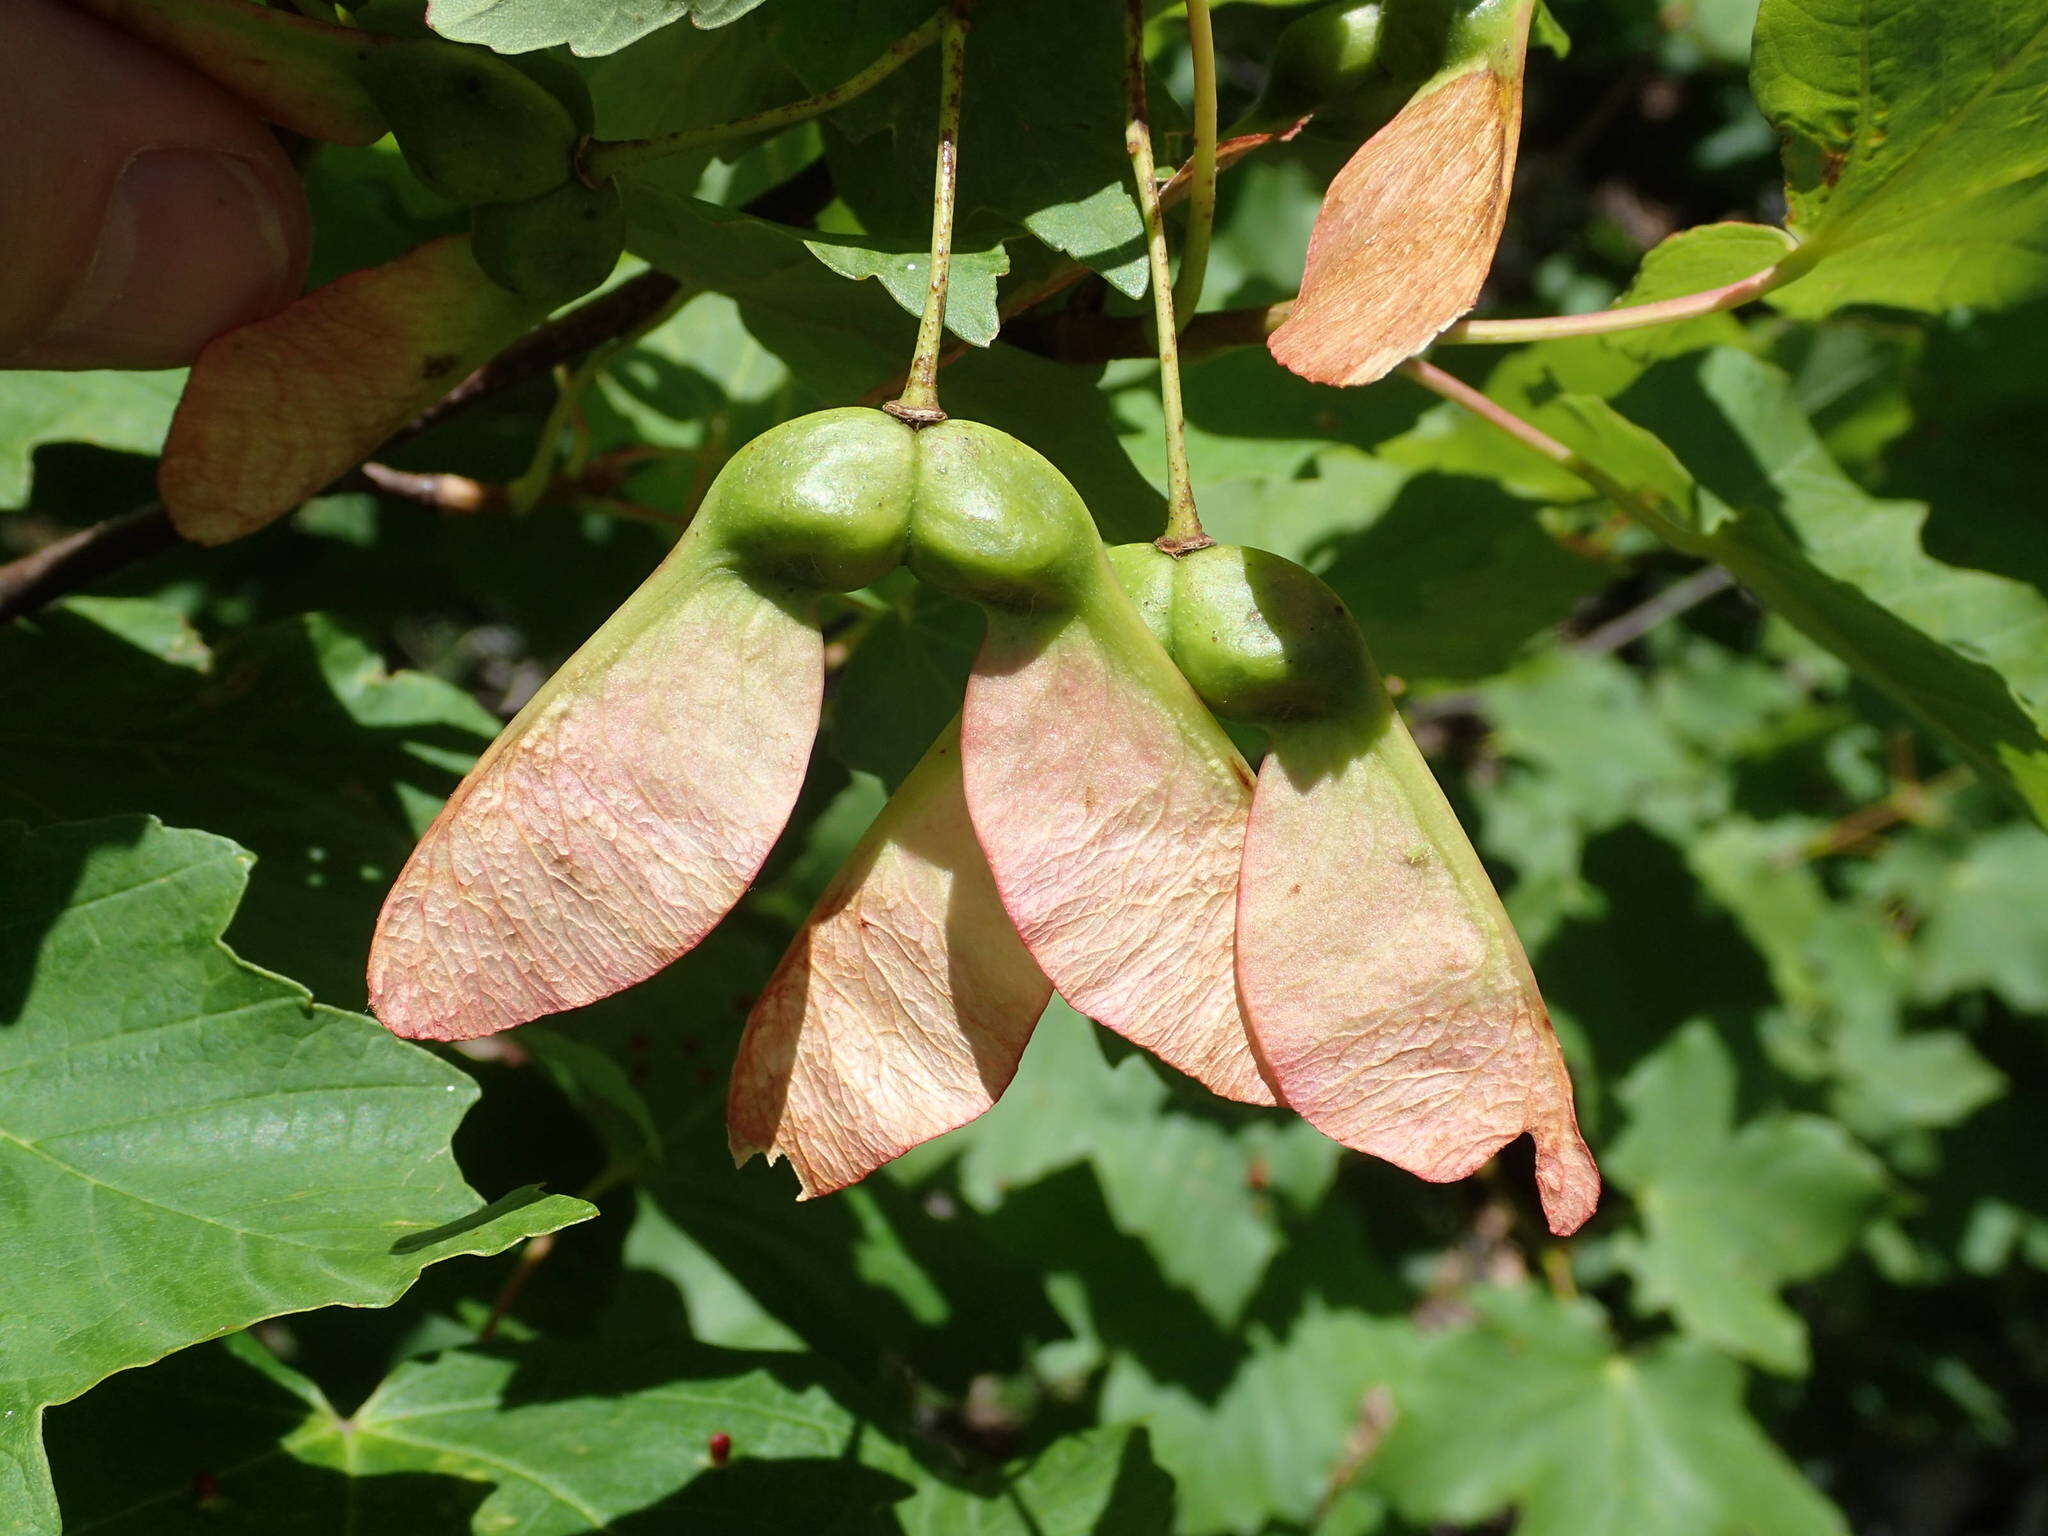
(903, 1005)
(616, 820)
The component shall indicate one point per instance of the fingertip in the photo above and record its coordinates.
(146, 208)
(192, 243)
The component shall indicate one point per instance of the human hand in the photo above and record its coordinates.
(143, 210)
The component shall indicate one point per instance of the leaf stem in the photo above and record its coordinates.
(919, 402)
(602, 159)
(1202, 167)
(1183, 532)
(1631, 317)
(1105, 337)
(1645, 506)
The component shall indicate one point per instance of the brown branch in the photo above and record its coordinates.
(79, 559)
(456, 494)
(1073, 336)
(539, 351)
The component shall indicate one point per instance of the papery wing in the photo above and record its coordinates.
(1407, 233)
(1386, 990)
(617, 819)
(273, 412)
(1112, 809)
(900, 1010)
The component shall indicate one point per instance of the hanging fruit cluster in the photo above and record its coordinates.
(1318, 935)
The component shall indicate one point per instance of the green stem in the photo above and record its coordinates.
(1644, 506)
(605, 158)
(1183, 524)
(919, 402)
(1194, 251)
(1632, 317)
(532, 484)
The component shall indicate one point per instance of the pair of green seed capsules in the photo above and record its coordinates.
(500, 135)
(834, 501)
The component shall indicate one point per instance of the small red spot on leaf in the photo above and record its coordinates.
(721, 1449)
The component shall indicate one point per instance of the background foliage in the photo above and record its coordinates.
(1796, 940)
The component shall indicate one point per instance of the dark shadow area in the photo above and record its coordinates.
(1455, 578)
(252, 743)
(1660, 953)
(868, 1278)
(38, 880)
(1062, 1225)
(1975, 450)
(192, 1444)
(1241, 393)
(774, 1498)
(1670, 401)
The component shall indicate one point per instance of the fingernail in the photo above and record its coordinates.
(193, 243)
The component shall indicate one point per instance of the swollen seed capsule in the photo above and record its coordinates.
(554, 247)
(996, 523)
(549, 69)
(1322, 61)
(473, 127)
(1260, 638)
(821, 502)
(1350, 67)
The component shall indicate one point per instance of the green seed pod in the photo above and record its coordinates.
(1350, 67)
(835, 500)
(1329, 56)
(995, 522)
(554, 247)
(551, 69)
(1261, 639)
(473, 126)
(822, 502)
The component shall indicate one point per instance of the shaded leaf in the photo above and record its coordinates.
(1844, 973)
(554, 1441)
(845, 341)
(128, 412)
(291, 738)
(1731, 1216)
(198, 1145)
(1745, 482)
(1533, 1409)
(1042, 81)
(1272, 1444)
(1988, 922)
(1194, 1192)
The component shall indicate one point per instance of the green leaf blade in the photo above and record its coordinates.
(190, 1144)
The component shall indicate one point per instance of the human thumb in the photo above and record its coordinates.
(145, 210)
